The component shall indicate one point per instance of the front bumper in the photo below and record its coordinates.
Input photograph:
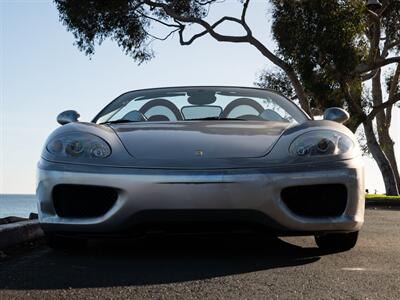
(257, 190)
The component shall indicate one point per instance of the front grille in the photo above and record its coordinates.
(324, 200)
(201, 221)
(83, 201)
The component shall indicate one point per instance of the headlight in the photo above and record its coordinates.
(321, 142)
(79, 145)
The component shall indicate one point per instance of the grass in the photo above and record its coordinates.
(379, 197)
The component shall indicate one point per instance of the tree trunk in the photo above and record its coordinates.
(381, 159)
(354, 122)
(387, 146)
(352, 93)
(383, 121)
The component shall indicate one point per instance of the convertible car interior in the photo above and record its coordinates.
(165, 110)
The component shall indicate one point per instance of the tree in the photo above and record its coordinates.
(129, 23)
(335, 47)
(388, 24)
(384, 119)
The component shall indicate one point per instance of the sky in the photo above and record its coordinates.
(42, 74)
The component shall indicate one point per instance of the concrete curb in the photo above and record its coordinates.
(19, 232)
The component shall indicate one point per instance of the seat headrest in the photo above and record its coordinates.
(158, 118)
(271, 115)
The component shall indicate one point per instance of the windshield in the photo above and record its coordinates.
(201, 103)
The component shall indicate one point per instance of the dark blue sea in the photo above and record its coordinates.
(17, 205)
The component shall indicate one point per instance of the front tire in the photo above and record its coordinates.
(65, 243)
(337, 242)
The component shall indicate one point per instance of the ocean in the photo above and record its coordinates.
(17, 205)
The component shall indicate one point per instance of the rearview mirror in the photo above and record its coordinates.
(336, 114)
(68, 116)
(199, 112)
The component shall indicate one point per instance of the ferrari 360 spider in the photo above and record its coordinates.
(205, 159)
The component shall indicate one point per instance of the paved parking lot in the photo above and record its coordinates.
(229, 267)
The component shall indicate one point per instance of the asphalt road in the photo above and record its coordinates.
(228, 267)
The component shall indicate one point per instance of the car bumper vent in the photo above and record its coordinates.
(325, 200)
(83, 201)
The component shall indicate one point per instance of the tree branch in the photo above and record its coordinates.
(244, 11)
(243, 17)
(289, 72)
(157, 20)
(383, 9)
(389, 45)
(160, 38)
(374, 39)
(208, 27)
(374, 36)
(381, 107)
(213, 26)
(374, 16)
(370, 75)
(236, 39)
(389, 115)
(205, 2)
(395, 83)
(364, 67)
(192, 39)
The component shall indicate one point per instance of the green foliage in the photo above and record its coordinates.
(276, 80)
(323, 41)
(91, 22)
(381, 197)
(123, 21)
(391, 21)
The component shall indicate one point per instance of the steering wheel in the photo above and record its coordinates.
(241, 101)
(161, 102)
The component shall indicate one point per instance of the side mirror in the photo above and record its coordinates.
(68, 116)
(336, 114)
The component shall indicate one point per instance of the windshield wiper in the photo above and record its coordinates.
(120, 121)
(216, 118)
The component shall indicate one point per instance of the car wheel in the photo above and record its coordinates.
(65, 243)
(337, 242)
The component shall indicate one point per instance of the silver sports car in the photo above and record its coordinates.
(205, 159)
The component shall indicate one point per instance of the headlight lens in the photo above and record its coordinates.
(79, 145)
(321, 142)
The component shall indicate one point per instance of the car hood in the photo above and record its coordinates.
(208, 139)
